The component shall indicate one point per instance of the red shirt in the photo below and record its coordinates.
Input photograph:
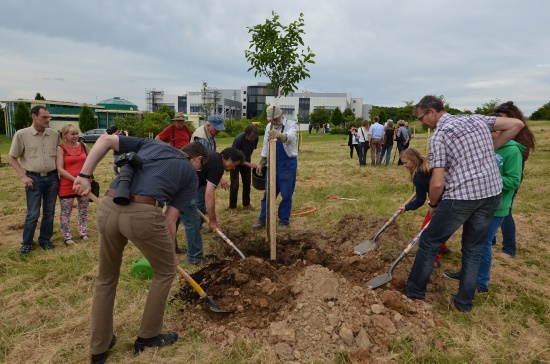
(180, 139)
(73, 160)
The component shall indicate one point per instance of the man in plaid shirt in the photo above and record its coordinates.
(468, 195)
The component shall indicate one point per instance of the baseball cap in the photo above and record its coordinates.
(216, 121)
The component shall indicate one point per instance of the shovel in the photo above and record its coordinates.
(213, 306)
(222, 235)
(342, 198)
(371, 244)
(386, 277)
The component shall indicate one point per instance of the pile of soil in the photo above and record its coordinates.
(311, 302)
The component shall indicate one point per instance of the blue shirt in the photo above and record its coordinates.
(166, 174)
(376, 130)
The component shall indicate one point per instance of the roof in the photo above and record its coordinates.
(117, 103)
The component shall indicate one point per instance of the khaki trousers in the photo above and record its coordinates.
(145, 227)
(375, 147)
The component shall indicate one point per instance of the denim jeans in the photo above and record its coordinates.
(44, 191)
(200, 203)
(475, 216)
(192, 222)
(362, 153)
(486, 258)
(400, 148)
(508, 228)
(385, 150)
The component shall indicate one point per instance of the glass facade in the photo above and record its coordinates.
(255, 100)
(182, 104)
(303, 104)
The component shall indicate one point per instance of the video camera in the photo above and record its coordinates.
(127, 162)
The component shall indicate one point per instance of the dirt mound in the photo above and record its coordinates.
(312, 301)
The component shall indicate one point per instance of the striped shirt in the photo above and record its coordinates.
(462, 144)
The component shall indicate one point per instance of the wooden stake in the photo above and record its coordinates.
(271, 223)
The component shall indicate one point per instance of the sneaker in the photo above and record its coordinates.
(481, 290)
(282, 228)
(47, 246)
(25, 250)
(452, 276)
(102, 358)
(155, 341)
(445, 252)
(258, 226)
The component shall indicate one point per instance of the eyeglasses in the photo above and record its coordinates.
(422, 117)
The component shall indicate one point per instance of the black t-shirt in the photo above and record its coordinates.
(212, 171)
(245, 145)
(389, 137)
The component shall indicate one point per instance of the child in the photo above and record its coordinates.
(420, 175)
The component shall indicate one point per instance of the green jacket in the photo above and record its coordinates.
(508, 158)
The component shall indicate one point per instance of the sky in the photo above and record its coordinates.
(384, 51)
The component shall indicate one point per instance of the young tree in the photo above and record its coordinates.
(22, 116)
(275, 52)
(209, 101)
(39, 97)
(86, 119)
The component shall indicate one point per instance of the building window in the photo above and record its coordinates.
(244, 100)
(354, 101)
(353, 110)
(244, 92)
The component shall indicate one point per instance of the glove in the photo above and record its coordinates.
(275, 134)
(261, 165)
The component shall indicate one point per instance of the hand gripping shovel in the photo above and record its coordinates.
(222, 235)
(213, 306)
(371, 244)
(386, 277)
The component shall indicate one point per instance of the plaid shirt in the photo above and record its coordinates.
(462, 144)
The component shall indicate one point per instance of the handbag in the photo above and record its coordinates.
(94, 183)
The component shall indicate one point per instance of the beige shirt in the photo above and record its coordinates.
(35, 153)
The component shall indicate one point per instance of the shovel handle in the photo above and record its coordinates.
(94, 198)
(222, 235)
(191, 281)
(415, 240)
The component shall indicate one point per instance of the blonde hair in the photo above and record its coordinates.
(420, 163)
(401, 123)
(65, 129)
(389, 125)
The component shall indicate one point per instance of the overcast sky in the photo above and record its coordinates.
(385, 51)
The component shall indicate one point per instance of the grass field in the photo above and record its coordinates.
(45, 299)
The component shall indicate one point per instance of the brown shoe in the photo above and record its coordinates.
(282, 228)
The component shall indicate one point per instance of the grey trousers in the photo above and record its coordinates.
(145, 227)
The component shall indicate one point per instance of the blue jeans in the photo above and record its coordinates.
(200, 203)
(45, 190)
(362, 153)
(508, 228)
(385, 150)
(400, 148)
(192, 222)
(486, 258)
(475, 216)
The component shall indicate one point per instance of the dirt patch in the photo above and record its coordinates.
(312, 301)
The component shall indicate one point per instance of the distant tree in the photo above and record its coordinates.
(22, 116)
(373, 112)
(274, 52)
(165, 109)
(39, 97)
(86, 119)
(153, 123)
(319, 116)
(2, 122)
(487, 107)
(542, 113)
(349, 116)
(129, 123)
(337, 118)
(383, 117)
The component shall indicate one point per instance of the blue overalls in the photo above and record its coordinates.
(285, 182)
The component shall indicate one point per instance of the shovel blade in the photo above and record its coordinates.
(364, 247)
(379, 281)
(214, 307)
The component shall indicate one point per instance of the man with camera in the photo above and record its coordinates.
(210, 176)
(151, 174)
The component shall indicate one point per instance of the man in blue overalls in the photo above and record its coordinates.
(287, 163)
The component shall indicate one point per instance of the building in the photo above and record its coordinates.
(69, 112)
(249, 102)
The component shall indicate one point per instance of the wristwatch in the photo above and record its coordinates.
(432, 206)
(84, 175)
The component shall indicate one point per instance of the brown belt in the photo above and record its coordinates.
(137, 199)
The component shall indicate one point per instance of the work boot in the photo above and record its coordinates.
(155, 341)
(25, 250)
(102, 358)
(452, 276)
(258, 226)
(282, 228)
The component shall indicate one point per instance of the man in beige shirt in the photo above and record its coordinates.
(32, 155)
